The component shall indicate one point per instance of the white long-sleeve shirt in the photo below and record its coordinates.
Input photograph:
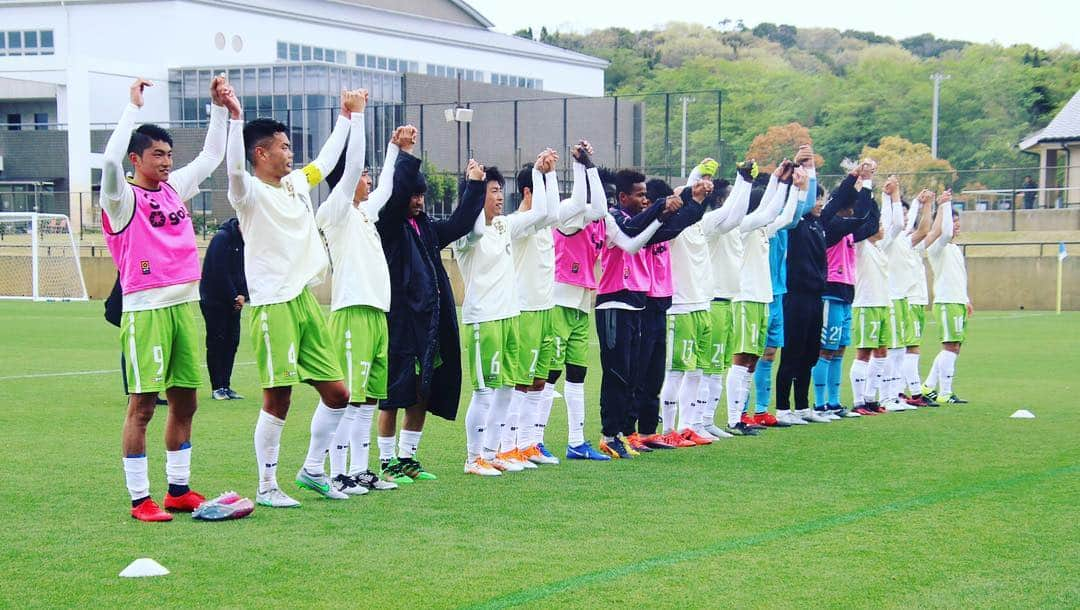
(755, 277)
(118, 200)
(283, 252)
(947, 262)
(534, 250)
(360, 274)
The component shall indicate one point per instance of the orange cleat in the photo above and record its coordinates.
(185, 503)
(674, 439)
(694, 437)
(769, 421)
(655, 441)
(148, 510)
(637, 443)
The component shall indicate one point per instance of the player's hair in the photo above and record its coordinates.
(657, 188)
(907, 206)
(257, 131)
(145, 136)
(955, 212)
(524, 179)
(625, 179)
(420, 186)
(756, 194)
(492, 174)
(820, 191)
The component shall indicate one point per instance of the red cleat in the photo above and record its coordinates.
(766, 419)
(185, 503)
(638, 444)
(750, 421)
(148, 510)
(655, 441)
(864, 411)
(674, 439)
(694, 437)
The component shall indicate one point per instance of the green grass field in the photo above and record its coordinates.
(951, 507)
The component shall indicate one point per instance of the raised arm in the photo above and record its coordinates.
(727, 217)
(841, 198)
(381, 195)
(617, 237)
(689, 214)
(551, 186)
(787, 214)
(923, 220)
(187, 179)
(117, 198)
(767, 211)
(465, 214)
(597, 206)
(572, 208)
(240, 181)
(327, 158)
(866, 208)
(523, 222)
(941, 234)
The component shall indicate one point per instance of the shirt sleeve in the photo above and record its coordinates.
(316, 171)
(240, 181)
(186, 180)
(117, 198)
(339, 203)
(381, 195)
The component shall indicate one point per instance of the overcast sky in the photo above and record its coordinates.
(1044, 23)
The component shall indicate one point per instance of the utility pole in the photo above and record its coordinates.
(937, 77)
(685, 101)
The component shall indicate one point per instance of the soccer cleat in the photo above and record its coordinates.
(715, 431)
(615, 449)
(318, 483)
(749, 421)
(862, 410)
(893, 405)
(371, 481)
(675, 439)
(585, 451)
(220, 394)
(512, 457)
(953, 399)
(748, 170)
(692, 436)
(656, 441)
(629, 450)
(534, 455)
(228, 505)
(836, 412)
(769, 421)
(481, 467)
(930, 393)
(275, 498)
(551, 459)
(412, 468)
(811, 416)
(519, 453)
(505, 465)
(392, 472)
(637, 443)
(148, 510)
(790, 418)
(916, 401)
(233, 395)
(741, 429)
(184, 503)
(348, 485)
(876, 408)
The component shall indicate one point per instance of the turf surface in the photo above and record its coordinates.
(952, 507)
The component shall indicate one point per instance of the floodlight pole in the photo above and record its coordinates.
(685, 101)
(937, 77)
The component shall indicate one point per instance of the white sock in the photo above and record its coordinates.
(515, 415)
(669, 399)
(689, 416)
(137, 477)
(324, 423)
(178, 465)
(360, 438)
(857, 376)
(267, 443)
(894, 377)
(387, 444)
(528, 420)
(339, 443)
(946, 371)
(911, 373)
(475, 422)
(737, 379)
(408, 443)
(574, 394)
(875, 374)
(496, 420)
(932, 378)
(547, 399)
(709, 393)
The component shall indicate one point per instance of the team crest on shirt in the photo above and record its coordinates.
(287, 185)
(144, 266)
(626, 273)
(575, 268)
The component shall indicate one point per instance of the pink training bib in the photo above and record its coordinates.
(575, 255)
(841, 259)
(622, 271)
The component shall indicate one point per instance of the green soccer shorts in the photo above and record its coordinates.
(570, 331)
(898, 323)
(953, 319)
(292, 343)
(361, 340)
(492, 350)
(722, 344)
(872, 328)
(536, 345)
(916, 320)
(161, 348)
(751, 325)
(689, 340)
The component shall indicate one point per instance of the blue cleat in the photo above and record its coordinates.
(584, 451)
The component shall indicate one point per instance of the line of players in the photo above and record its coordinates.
(683, 295)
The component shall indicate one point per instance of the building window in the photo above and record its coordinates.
(282, 50)
(41, 121)
(318, 54)
(14, 122)
(294, 52)
(305, 53)
(14, 40)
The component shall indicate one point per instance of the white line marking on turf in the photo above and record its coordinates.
(77, 373)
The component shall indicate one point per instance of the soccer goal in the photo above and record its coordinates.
(39, 259)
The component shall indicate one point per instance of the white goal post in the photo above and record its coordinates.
(39, 258)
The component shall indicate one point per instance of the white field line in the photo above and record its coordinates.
(77, 373)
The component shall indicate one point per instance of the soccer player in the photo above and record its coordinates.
(919, 223)
(151, 239)
(870, 310)
(360, 298)
(850, 217)
(951, 303)
(424, 370)
(490, 317)
(283, 256)
(774, 338)
(692, 347)
(776, 209)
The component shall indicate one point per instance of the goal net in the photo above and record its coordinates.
(39, 259)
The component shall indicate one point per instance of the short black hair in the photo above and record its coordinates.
(756, 194)
(420, 185)
(492, 174)
(907, 206)
(657, 189)
(625, 179)
(257, 131)
(524, 179)
(145, 136)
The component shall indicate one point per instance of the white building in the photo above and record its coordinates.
(70, 63)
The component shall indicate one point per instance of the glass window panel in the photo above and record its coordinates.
(371, 61)
(440, 71)
(381, 64)
(414, 66)
(266, 81)
(360, 59)
(494, 79)
(397, 89)
(14, 40)
(46, 38)
(191, 83)
(281, 102)
(305, 53)
(30, 40)
(282, 50)
(265, 106)
(318, 53)
(341, 59)
(296, 79)
(251, 107)
(430, 70)
(3, 41)
(294, 52)
(391, 65)
(315, 79)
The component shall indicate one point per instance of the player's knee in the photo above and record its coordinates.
(553, 376)
(575, 373)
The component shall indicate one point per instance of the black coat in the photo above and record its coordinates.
(423, 316)
(223, 267)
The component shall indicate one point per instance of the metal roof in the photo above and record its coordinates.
(1065, 127)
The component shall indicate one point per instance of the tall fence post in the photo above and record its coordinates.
(667, 136)
(615, 132)
(1012, 206)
